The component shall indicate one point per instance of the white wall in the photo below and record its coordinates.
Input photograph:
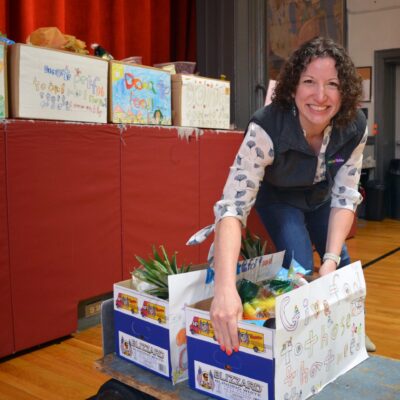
(372, 25)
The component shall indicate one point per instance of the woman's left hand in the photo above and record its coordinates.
(327, 267)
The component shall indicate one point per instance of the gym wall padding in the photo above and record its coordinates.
(82, 200)
(6, 319)
(64, 223)
(160, 193)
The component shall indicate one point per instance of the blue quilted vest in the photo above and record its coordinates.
(290, 178)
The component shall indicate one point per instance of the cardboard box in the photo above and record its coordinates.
(57, 85)
(319, 335)
(178, 67)
(3, 81)
(200, 102)
(149, 331)
(139, 95)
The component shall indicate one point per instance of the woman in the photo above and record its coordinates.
(300, 165)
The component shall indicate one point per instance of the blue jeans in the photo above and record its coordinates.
(295, 231)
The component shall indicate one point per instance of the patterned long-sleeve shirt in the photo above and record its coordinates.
(239, 194)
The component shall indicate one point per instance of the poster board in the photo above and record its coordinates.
(200, 102)
(57, 85)
(139, 95)
(3, 81)
(320, 332)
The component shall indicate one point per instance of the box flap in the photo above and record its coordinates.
(320, 332)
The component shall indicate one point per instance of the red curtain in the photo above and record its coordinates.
(157, 30)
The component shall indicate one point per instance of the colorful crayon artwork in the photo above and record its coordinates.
(140, 95)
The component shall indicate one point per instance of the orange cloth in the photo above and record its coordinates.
(52, 37)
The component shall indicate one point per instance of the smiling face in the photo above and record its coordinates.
(317, 95)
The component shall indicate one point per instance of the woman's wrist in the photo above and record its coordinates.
(331, 257)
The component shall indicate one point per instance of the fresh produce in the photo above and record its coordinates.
(252, 246)
(155, 270)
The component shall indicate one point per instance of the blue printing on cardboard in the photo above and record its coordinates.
(247, 365)
(143, 330)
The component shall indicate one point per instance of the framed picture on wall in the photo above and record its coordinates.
(291, 23)
(366, 75)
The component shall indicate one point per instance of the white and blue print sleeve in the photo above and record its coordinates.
(246, 174)
(240, 191)
(345, 192)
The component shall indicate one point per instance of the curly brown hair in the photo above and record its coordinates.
(349, 81)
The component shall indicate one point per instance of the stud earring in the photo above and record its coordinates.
(294, 110)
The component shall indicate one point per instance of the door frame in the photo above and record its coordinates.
(385, 108)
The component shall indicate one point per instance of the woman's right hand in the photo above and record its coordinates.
(226, 310)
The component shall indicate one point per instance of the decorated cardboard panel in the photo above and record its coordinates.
(139, 95)
(3, 81)
(57, 85)
(200, 102)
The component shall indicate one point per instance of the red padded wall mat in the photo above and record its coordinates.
(160, 193)
(6, 319)
(64, 219)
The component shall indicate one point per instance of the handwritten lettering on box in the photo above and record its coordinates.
(52, 84)
(320, 332)
(140, 95)
(3, 84)
(200, 102)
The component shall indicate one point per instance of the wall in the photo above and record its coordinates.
(79, 201)
(231, 41)
(372, 25)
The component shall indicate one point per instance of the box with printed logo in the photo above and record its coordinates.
(141, 328)
(319, 335)
(150, 331)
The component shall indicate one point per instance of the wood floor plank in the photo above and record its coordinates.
(10, 392)
(382, 311)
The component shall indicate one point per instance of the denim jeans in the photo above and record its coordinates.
(295, 231)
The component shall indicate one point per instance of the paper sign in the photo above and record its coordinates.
(320, 332)
(201, 102)
(51, 84)
(140, 95)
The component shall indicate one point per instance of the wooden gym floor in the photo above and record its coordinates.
(64, 370)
